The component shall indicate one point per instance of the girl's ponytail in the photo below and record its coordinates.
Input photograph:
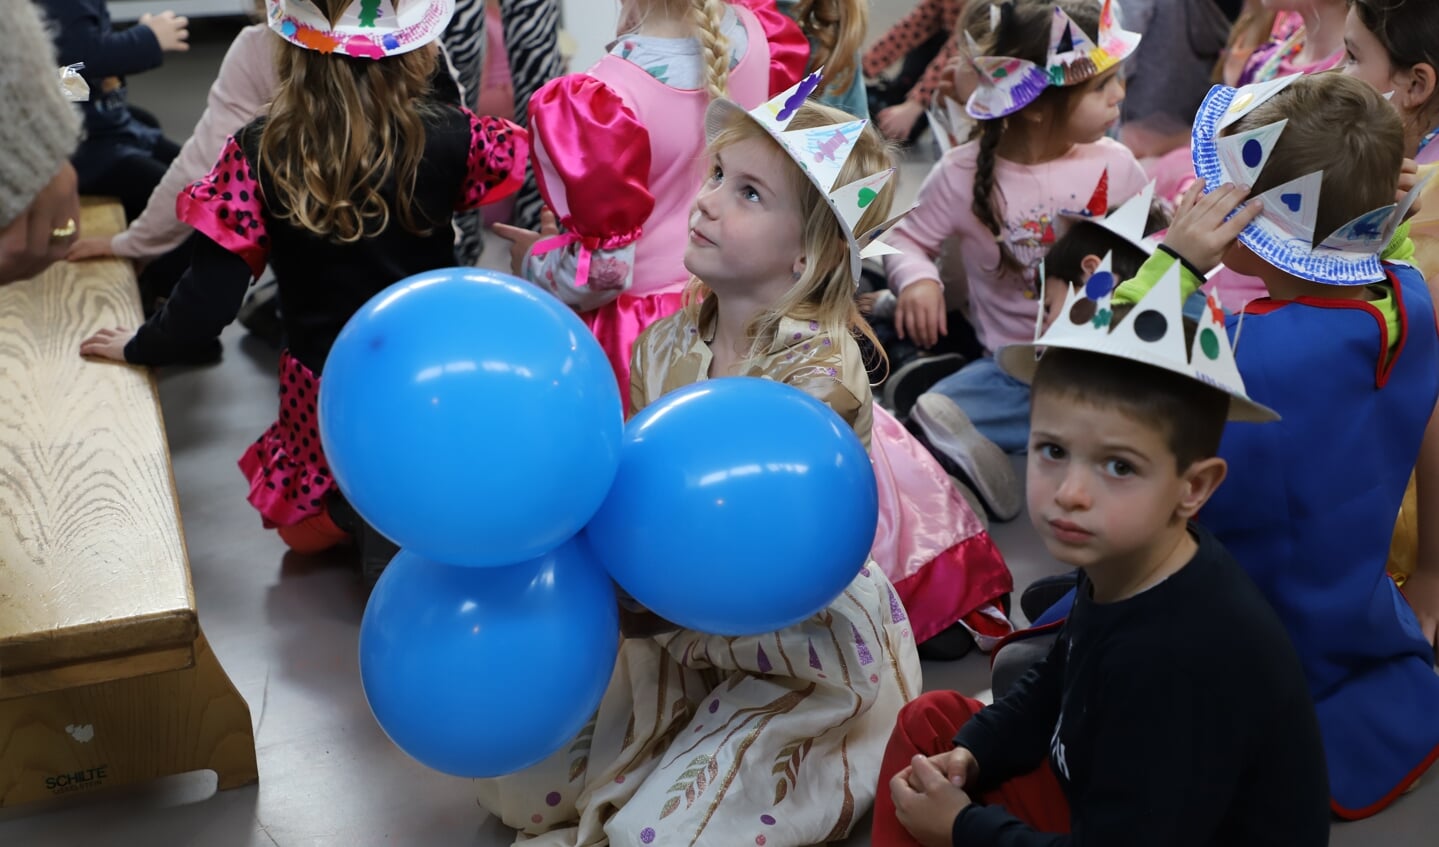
(985, 205)
(709, 22)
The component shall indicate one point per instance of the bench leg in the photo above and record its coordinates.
(126, 731)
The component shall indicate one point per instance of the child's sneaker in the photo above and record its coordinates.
(913, 378)
(951, 434)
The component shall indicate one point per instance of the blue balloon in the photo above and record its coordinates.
(470, 417)
(741, 506)
(480, 672)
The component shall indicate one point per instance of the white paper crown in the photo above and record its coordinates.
(821, 153)
(1128, 222)
(368, 29)
(1284, 233)
(1152, 333)
(1006, 84)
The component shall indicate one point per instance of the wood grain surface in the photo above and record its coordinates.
(92, 556)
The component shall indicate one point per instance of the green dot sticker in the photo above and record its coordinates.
(1209, 343)
(866, 196)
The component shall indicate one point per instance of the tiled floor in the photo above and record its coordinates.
(285, 628)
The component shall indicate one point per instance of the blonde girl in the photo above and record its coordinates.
(836, 30)
(344, 186)
(684, 748)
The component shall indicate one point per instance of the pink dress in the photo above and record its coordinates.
(619, 157)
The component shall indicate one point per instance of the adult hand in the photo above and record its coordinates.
(1200, 232)
(897, 121)
(927, 802)
(95, 247)
(43, 233)
(919, 313)
(107, 344)
(522, 240)
(171, 30)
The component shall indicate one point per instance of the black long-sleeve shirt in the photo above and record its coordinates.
(83, 34)
(1178, 717)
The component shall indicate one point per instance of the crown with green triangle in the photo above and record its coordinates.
(821, 152)
(1152, 333)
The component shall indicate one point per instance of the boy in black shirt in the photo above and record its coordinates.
(1172, 709)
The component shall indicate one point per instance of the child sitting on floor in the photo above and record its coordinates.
(1132, 731)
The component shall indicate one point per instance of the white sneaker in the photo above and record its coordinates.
(952, 433)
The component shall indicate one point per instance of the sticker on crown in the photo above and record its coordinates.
(1292, 209)
(851, 200)
(1242, 156)
(1251, 97)
(1365, 234)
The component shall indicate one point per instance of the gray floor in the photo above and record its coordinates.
(285, 628)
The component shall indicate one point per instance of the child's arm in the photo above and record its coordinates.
(1198, 237)
(1012, 736)
(592, 162)
(913, 274)
(82, 36)
(1422, 586)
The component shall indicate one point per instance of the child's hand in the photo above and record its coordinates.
(896, 122)
(1408, 178)
(1421, 589)
(959, 765)
(94, 247)
(920, 315)
(927, 802)
(171, 30)
(522, 240)
(107, 344)
(1200, 232)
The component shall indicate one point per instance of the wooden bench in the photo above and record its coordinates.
(105, 676)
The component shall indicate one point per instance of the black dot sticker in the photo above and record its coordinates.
(1082, 312)
(1150, 326)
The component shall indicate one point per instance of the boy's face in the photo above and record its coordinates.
(1103, 488)
(745, 224)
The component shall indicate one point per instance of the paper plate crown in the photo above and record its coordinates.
(368, 29)
(1284, 233)
(1152, 334)
(1007, 84)
(821, 153)
(1128, 222)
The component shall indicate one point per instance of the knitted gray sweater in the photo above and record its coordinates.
(38, 127)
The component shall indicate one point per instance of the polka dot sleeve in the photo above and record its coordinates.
(225, 205)
(499, 153)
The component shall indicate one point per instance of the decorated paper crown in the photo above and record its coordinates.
(1152, 334)
(1128, 221)
(1283, 235)
(1007, 84)
(369, 29)
(821, 153)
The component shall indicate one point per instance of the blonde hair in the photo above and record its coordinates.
(709, 22)
(837, 29)
(1338, 125)
(339, 130)
(825, 291)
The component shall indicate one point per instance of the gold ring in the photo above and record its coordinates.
(65, 231)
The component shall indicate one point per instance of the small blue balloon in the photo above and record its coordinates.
(479, 672)
(470, 417)
(741, 506)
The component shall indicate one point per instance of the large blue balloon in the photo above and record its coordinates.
(470, 417)
(480, 672)
(741, 506)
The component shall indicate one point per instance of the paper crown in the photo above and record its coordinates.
(368, 29)
(1284, 233)
(1006, 84)
(1128, 221)
(821, 152)
(1152, 334)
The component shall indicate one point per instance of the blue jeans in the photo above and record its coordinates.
(995, 402)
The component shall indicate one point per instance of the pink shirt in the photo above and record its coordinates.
(244, 87)
(1004, 301)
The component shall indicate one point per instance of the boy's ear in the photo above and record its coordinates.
(1090, 263)
(1199, 481)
